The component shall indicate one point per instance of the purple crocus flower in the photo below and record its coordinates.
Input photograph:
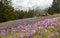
(28, 27)
(12, 32)
(56, 25)
(56, 33)
(3, 32)
(41, 27)
(57, 18)
(51, 21)
(35, 24)
(13, 29)
(39, 32)
(20, 36)
(29, 35)
(20, 26)
(43, 24)
(51, 36)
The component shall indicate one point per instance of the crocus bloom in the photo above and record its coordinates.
(56, 25)
(51, 36)
(56, 33)
(13, 29)
(29, 34)
(40, 27)
(35, 24)
(20, 26)
(20, 36)
(3, 32)
(43, 24)
(39, 32)
(28, 27)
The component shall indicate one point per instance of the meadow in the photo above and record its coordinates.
(36, 27)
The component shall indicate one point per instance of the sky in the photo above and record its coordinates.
(26, 4)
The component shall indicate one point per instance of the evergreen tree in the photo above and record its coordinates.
(55, 8)
(6, 12)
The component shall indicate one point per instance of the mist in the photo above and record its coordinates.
(31, 4)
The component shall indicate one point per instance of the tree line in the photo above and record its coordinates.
(7, 12)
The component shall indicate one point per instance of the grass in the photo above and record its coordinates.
(36, 35)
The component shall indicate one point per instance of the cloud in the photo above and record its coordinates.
(25, 4)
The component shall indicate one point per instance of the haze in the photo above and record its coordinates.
(26, 4)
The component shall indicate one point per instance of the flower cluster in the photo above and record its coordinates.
(46, 28)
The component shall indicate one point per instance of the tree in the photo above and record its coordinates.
(6, 12)
(55, 8)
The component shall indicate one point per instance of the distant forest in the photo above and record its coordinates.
(7, 12)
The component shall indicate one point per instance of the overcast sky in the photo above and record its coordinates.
(25, 4)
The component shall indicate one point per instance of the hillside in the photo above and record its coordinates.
(36, 27)
(26, 20)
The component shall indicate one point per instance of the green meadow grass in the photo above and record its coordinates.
(36, 35)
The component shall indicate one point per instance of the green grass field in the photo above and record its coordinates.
(43, 27)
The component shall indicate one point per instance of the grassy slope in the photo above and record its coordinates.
(6, 24)
(9, 23)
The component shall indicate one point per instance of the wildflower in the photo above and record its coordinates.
(56, 33)
(51, 36)
(43, 25)
(3, 32)
(35, 24)
(20, 36)
(56, 25)
(40, 27)
(14, 29)
(20, 26)
(39, 32)
(28, 27)
(29, 35)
